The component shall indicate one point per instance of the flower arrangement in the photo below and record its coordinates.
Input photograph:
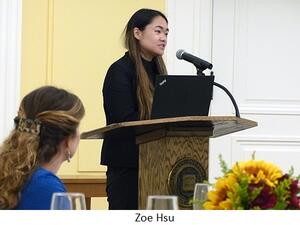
(254, 184)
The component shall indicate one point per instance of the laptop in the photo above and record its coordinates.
(177, 95)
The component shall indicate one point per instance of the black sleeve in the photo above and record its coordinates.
(119, 95)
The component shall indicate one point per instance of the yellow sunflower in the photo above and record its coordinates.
(219, 198)
(259, 171)
(225, 192)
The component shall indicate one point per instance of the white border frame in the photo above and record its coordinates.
(10, 62)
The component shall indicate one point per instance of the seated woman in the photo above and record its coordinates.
(46, 134)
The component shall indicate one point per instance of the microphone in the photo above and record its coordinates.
(199, 63)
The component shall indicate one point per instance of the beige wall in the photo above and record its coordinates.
(70, 44)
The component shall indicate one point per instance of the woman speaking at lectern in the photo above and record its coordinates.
(128, 93)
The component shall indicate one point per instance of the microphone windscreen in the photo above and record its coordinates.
(179, 53)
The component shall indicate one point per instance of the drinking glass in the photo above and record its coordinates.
(200, 195)
(68, 201)
(162, 202)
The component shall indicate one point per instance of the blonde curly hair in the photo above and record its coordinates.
(58, 114)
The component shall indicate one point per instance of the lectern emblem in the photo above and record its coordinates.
(182, 179)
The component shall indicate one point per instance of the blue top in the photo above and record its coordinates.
(37, 192)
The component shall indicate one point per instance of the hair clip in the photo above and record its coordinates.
(27, 125)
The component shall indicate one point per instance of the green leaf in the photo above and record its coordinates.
(291, 171)
(243, 191)
(282, 192)
(255, 193)
(223, 165)
(253, 155)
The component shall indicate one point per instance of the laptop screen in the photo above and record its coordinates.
(177, 95)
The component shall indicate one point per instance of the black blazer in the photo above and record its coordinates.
(120, 105)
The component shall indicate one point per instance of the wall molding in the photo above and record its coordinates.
(282, 150)
(272, 94)
(10, 61)
(270, 109)
(265, 139)
(49, 57)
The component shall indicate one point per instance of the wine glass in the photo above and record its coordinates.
(68, 201)
(162, 202)
(200, 195)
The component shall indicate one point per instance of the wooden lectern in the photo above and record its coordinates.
(173, 152)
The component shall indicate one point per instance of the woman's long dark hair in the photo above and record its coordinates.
(141, 19)
(46, 116)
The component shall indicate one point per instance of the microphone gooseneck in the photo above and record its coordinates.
(236, 108)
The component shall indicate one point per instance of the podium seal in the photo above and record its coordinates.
(182, 179)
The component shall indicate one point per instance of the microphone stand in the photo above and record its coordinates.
(237, 112)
